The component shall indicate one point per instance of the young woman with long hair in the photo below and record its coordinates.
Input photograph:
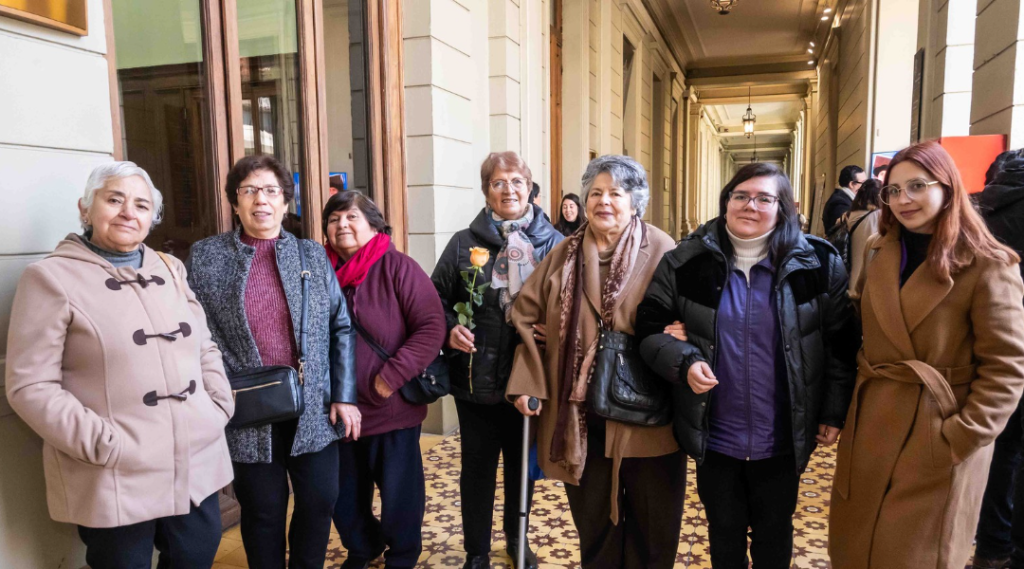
(939, 374)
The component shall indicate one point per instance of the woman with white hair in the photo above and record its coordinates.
(110, 361)
(623, 470)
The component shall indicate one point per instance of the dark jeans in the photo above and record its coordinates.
(262, 492)
(188, 541)
(393, 462)
(1001, 525)
(760, 495)
(488, 430)
(651, 496)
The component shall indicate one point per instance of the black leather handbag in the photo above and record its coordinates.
(423, 389)
(623, 388)
(272, 394)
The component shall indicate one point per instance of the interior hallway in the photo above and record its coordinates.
(552, 533)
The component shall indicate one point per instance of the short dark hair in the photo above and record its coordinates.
(348, 199)
(879, 169)
(849, 174)
(787, 227)
(870, 194)
(999, 164)
(534, 191)
(241, 170)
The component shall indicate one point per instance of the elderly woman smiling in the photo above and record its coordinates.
(250, 281)
(131, 403)
(614, 471)
(508, 238)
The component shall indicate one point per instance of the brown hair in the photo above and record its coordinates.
(348, 199)
(960, 231)
(241, 170)
(509, 161)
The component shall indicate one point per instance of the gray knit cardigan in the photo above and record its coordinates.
(218, 269)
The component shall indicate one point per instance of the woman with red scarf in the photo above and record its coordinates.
(393, 302)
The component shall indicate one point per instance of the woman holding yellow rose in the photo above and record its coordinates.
(478, 277)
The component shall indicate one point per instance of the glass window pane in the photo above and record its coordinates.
(161, 76)
(345, 60)
(271, 109)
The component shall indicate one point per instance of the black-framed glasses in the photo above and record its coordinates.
(500, 185)
(761, 202)
(250, 191)
(914, 189)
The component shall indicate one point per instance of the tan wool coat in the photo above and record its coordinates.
(940, 372)
(537, 371)
(86, 372)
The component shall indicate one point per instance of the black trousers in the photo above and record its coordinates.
(262, 492)
(1001, 523)
(651, 496)
(393, 463)
(488, 430)
(760, 495)
(188, 541)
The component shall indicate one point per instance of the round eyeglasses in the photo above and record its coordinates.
(914, 189)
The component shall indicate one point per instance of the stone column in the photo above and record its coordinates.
(997, 102)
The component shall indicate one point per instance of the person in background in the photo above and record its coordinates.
(571, 215)
(515, 237)
(879, 172)
(940, 373)
(110, 361)
(1000, 536)
(535, 200)
(395, 306)
(766, 369)
(861, 224)
(625, 483)
(250, 282)
(850, 180)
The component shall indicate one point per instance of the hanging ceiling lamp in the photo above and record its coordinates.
(749, 119)
(724, 6)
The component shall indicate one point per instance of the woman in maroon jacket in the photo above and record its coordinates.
(394, 303)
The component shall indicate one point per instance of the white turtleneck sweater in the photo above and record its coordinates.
(748, 252)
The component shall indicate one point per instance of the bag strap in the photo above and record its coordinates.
(856, 224)
(304, 275)
(377, 349)
(174, 274)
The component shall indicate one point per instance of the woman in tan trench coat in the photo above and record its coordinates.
(939, 374)
(625, 483)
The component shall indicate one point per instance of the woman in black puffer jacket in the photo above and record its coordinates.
(767, 364)
(517, 236)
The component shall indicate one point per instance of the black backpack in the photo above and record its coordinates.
(839, 237)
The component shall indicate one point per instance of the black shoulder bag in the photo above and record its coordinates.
(622, 387)
(423, 389)
(272, 394)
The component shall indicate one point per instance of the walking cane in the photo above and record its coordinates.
(523, 481)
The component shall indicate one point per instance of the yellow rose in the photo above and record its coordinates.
(478, 256)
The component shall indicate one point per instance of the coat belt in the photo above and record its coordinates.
(938, 382)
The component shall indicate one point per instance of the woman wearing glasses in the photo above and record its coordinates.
(765, 368)
(249, 281)
(516, 236)
(940, 373)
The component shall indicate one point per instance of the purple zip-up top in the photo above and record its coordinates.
(749, 409)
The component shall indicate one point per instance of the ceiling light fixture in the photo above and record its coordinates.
(811, 62)
(828, 10)
(724, 6)
(749, 119)
(824, 18)
(812, 44)
(809, 50)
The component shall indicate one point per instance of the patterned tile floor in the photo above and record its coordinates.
(552, 533)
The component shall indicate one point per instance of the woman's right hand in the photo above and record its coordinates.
(523, 406)
(462, 339)
(701, 378)
(677, 330)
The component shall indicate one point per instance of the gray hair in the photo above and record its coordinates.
(104, 173)
(627, 174)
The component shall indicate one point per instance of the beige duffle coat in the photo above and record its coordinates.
(92, 354)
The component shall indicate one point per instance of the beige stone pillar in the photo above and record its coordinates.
(997, 102)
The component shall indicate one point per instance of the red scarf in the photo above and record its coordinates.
(353, 272)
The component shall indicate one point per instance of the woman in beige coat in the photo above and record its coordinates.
(940, 372)
(110, 361)
(625, 483)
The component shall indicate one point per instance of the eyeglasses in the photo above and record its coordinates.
(914, 189)
(251, 191)
(761, 202)
(500, 185)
